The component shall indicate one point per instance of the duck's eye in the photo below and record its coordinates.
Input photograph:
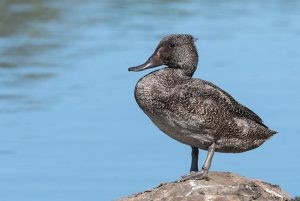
(171, 45)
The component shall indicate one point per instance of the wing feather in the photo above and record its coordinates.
(226, 101)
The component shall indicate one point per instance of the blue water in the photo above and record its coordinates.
(70, 128)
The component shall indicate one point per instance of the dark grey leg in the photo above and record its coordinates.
(204, 172)
(194, 165)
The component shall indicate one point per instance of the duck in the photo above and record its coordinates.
(194, 111)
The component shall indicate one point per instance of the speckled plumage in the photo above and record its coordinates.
(194, 111)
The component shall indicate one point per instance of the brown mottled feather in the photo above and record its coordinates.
(194, 111)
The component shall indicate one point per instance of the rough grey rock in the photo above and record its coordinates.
(221, 186)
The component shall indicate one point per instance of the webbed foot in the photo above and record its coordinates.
(195, 175)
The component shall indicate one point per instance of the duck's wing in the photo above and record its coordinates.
(225, 100)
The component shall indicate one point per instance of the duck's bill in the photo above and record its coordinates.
(152, 62)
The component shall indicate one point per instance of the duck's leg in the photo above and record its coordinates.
(207, 163)
(205, 168)
(194, 165)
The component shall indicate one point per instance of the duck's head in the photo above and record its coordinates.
(175, 51)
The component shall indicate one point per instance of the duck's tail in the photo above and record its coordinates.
(270, 133)
(273, 132)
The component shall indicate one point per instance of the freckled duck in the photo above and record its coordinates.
(194, 111)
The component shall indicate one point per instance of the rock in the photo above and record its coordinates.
(221, 186)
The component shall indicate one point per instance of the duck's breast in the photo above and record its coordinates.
(164, 98)
(152, 92)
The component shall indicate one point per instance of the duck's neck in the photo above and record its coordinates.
(188, 62)
(189, 70)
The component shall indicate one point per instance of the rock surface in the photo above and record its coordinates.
(221, 186)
